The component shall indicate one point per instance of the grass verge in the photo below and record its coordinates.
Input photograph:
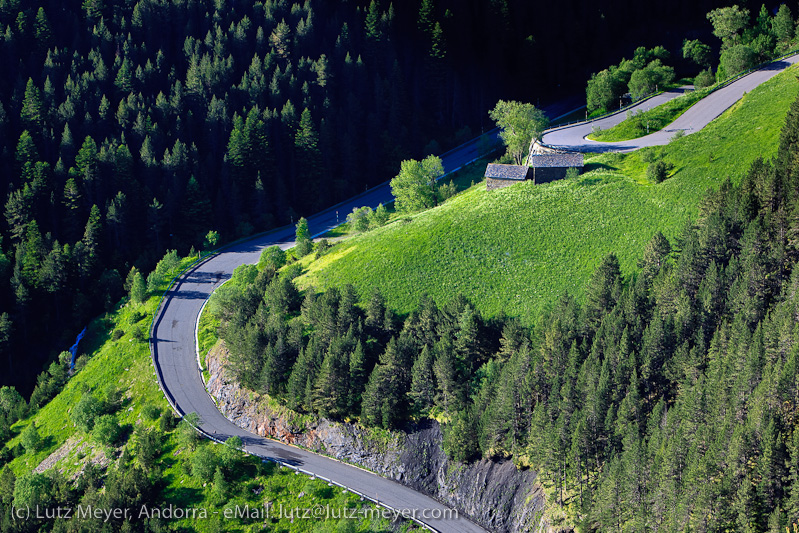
(645, 122)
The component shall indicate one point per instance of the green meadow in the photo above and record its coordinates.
(517, 249)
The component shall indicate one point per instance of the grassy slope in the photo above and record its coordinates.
(126, 364)
(657, 118)
(517, 249)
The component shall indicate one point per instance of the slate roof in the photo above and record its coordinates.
(506, 172)
(559, 160)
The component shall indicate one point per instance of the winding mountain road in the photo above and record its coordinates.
(173, 347)
(173, 341)
(694, 119)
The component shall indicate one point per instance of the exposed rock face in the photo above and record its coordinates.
(493, 493)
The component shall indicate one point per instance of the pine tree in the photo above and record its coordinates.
(656, 253)
(32, 113)
(88, 256)
(357, 373)
(42, 31)
(26, 156)
(330, 391)
(603, 290)
(303, 242)
(138, 289)
(308, 157)
(423, 387)
(221, 487)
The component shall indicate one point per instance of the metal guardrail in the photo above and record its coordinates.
(298, 470)
(170, 400)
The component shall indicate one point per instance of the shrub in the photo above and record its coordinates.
(85, 412)
(446, 191)
(167, 422)
(30, 439)
(650, 79)
(460, 441)
(31, 490)
(706, 78)
(138, 289)
(273, 258)
(303, 242)
(148, 446)
(221, 488)
(322, 247)
(106, 430)
(379, 216)
(212, 239)
(204, 463)
(231, 454)
(735, 60)
(679, 134)
(187, 435)
(80, 362)
(167, 264)
(139, 335)
(359, 219)
(12, 403)
(150, 412)
(657, 172)
(118, 334)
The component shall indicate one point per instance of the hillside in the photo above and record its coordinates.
(516, 250)
(144, 459)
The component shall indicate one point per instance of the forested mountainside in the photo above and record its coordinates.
(666, 401)
(129, 128)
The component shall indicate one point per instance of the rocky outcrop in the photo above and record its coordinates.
(495, 494)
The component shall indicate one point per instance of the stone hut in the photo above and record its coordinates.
(553, 166)
(499, 176)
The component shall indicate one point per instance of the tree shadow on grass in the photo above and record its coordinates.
(178, 495)
(598, 166)
(592, 180)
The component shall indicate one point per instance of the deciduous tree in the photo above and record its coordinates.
(415, 186)
(520, 124)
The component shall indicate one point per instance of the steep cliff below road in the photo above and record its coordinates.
(493, 493)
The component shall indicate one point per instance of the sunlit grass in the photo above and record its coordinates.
(517, 249)
(646, 122)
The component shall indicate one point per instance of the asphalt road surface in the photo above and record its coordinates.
(693, 120)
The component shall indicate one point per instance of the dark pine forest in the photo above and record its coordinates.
(664, 401)
(131, 128)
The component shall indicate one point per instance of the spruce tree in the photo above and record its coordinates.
(303, 242)
(138, 289)
(423, 387)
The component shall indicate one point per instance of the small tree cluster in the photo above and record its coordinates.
(273, 258)
(640, 76)
(365, 218)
